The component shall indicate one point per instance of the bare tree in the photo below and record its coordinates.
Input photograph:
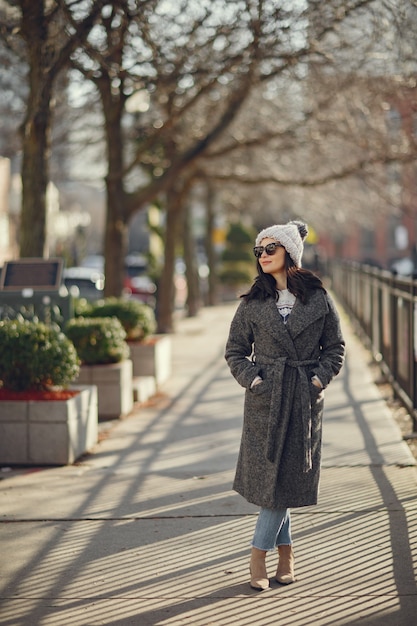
(191, 66)
(253, 88)
(324, 138)
(48, 42)
(13, 90)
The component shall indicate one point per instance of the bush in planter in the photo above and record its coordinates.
(35, 356)
(82, 307)
(137, 318)
(98, 340)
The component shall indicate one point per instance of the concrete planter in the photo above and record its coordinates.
(114, 387)
(152, 357)
(144, 387)
(54, 432)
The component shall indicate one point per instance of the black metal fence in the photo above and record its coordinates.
(49, 307)
(384, 306)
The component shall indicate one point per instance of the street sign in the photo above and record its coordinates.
(36, 274)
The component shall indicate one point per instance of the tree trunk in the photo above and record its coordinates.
(210, 248)
(191, 265)
(115, 239)
(166, 287)
(35, 148)
(35, 133)
(116, 230)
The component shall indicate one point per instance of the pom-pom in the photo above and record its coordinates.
(302, 228)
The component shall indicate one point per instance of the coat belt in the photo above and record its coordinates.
(274, 448)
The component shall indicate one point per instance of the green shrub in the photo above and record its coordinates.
(235, 276)
(98, 340)
(240, 235)
(239, 254)
(137, 318)
(82, 307)
(238, 265)
(35, 356)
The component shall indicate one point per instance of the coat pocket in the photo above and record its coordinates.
(316, 394)
(261, 387)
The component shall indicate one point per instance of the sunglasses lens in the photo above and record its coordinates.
(270, 249)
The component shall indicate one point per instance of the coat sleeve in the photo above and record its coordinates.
(239, 348)
(332, 346)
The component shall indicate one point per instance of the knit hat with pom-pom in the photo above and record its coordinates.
(290, 235)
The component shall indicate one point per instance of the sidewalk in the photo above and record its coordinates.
(146, 531)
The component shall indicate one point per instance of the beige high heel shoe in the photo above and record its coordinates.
(285, 570)
(259, 577)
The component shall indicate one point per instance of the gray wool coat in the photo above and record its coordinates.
(280, 452)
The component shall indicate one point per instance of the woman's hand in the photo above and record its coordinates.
(317, 382)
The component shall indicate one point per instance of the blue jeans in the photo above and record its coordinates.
(273, 528)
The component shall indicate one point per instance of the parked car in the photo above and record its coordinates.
(94, 262)
(84, 282)
(137, 283)
(403, 267)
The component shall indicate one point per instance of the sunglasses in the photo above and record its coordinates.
(270, 249)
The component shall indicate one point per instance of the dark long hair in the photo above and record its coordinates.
(300, 282)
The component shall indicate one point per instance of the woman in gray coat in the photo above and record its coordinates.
(284, 347)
